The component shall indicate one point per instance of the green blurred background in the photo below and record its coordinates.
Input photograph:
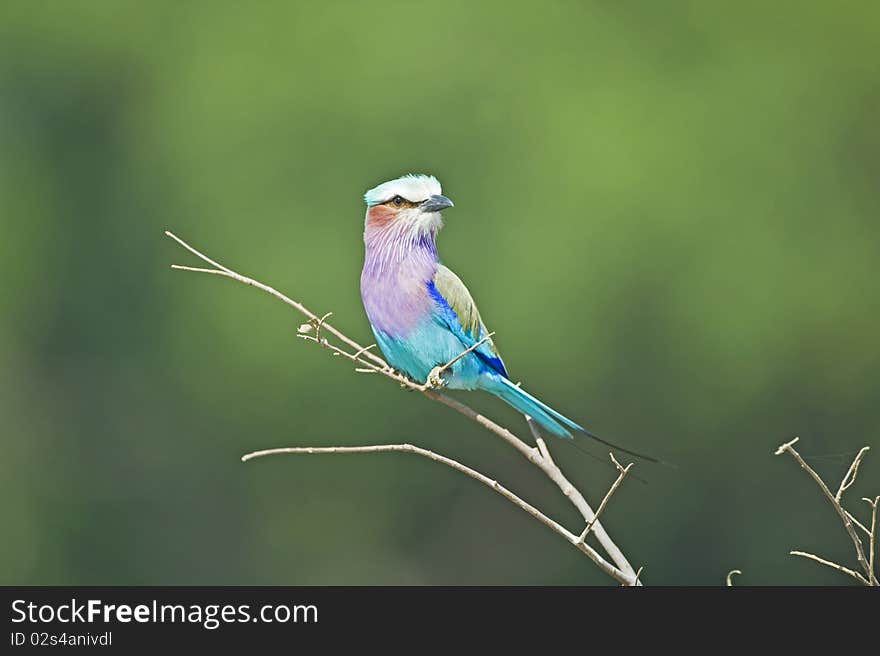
(667, 211)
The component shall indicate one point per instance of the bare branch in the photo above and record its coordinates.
(845, 517)
(839, 568)
(482, 478)
(369, 361)
(201, 256)
(552, 470)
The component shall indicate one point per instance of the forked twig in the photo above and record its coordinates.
(850, 477)
(849, 522)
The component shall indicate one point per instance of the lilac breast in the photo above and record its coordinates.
(394, 284)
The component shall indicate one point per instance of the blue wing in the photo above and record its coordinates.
(457, 312)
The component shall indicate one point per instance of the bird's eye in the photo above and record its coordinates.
(397, 200)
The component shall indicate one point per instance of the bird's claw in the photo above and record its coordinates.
(435, 379)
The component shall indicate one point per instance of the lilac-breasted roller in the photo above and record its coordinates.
(421, 313)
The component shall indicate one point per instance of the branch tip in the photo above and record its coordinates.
(784, 447)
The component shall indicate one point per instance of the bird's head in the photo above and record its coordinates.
(411, 203)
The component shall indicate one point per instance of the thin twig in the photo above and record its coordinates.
(839, 568)
(851, 473)
(730, 576)
(873, 536)
(363, 350)
(335, 350)
(539, 439)
(857, 522)
(319, 323)
(437, 372)
(623, 472)
(367, 360)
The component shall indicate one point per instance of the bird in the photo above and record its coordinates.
(422, 314)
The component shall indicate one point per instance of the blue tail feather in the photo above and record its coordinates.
(547, 417)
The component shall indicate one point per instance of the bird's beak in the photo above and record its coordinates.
(436, 203)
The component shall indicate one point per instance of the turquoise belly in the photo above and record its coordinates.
(427, 346)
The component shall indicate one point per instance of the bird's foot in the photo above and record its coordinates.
(435, 379)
